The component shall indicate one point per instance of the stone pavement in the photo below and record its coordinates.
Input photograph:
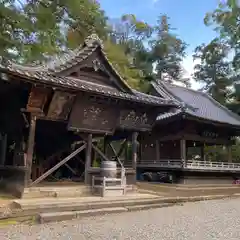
(207, 220)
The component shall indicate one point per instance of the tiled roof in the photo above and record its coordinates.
(169, 115)
(70, 58)
(197, 104)
(49, 74)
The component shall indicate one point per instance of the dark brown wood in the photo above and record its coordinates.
(101, 154)
(88, 158)
(157, 150)
(183, 150)
(229, 153)
(134, 150)
(105, 144)
(72, 170)
(30, 148)
(58, 165)
(3, 149)
(121, 149)
(60, 105)
(92, 117)
(136, 119)
(116, 154)
(37, 99)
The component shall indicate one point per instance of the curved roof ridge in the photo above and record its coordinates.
(207, 107)
(211, 99)
(184, 106)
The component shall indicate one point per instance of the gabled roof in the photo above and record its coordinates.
(196, 104)
(53, 73)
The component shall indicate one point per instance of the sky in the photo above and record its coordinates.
(185, 15)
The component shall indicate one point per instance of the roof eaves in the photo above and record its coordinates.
(169, 115)
(71, 83)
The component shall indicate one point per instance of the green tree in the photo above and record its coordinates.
(131, 34)
(214, 71)
(34, 29)
(168, 52)
(226, 21)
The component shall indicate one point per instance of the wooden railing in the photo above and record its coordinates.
(190, 164)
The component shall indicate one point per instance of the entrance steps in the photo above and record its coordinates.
(62, 191)
(56, 191)
(59, 209)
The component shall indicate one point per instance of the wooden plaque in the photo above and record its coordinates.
(90, 116)
(60, 105)
(37, 99)
(136, 120)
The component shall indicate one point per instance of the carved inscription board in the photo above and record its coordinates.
(90, 116)
(37, 99)
(136, 119)
(60, 105)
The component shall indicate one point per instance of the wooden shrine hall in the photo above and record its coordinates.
(59, 119)
(176, 145)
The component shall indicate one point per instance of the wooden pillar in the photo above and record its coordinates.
(105, 144)
(183, 150)
(157, 151)
(229, 153)
(203, 157)
(134, 152)
(3, 149)
(30, 149)
(88, 159)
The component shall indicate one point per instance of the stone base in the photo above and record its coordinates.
(205, 180)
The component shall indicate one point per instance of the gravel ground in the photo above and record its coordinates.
(197, 221)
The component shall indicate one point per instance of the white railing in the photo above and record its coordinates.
(212, 165)
(162, 163)
(189, 164)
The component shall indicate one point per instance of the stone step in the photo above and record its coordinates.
(70, 215)
(45, 192)
(73, 205)
(151, 206)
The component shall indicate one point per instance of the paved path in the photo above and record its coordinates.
(208, 220)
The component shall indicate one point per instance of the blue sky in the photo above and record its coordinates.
(185, 15)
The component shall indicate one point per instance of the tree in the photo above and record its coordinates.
(226, 19)
(131, 34)
(34, 29)
(214, 71)
(168, 52)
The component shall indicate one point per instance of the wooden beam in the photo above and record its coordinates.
(88, 158)
(157, 150)
(3, 149)
(183, 150)
(229, 153)
(119, 153)
(30, 149)
(73, 171)
(65, 160)
(134, 150)
(100, 153)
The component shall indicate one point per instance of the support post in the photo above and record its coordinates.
(229, 153)
(134, 153)
(157, 151)
(203, 156)
(30, 149)
(105, 144)
(3, 149)
(88, 159)
(183, 151)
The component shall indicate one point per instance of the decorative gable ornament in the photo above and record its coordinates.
(93, 39)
